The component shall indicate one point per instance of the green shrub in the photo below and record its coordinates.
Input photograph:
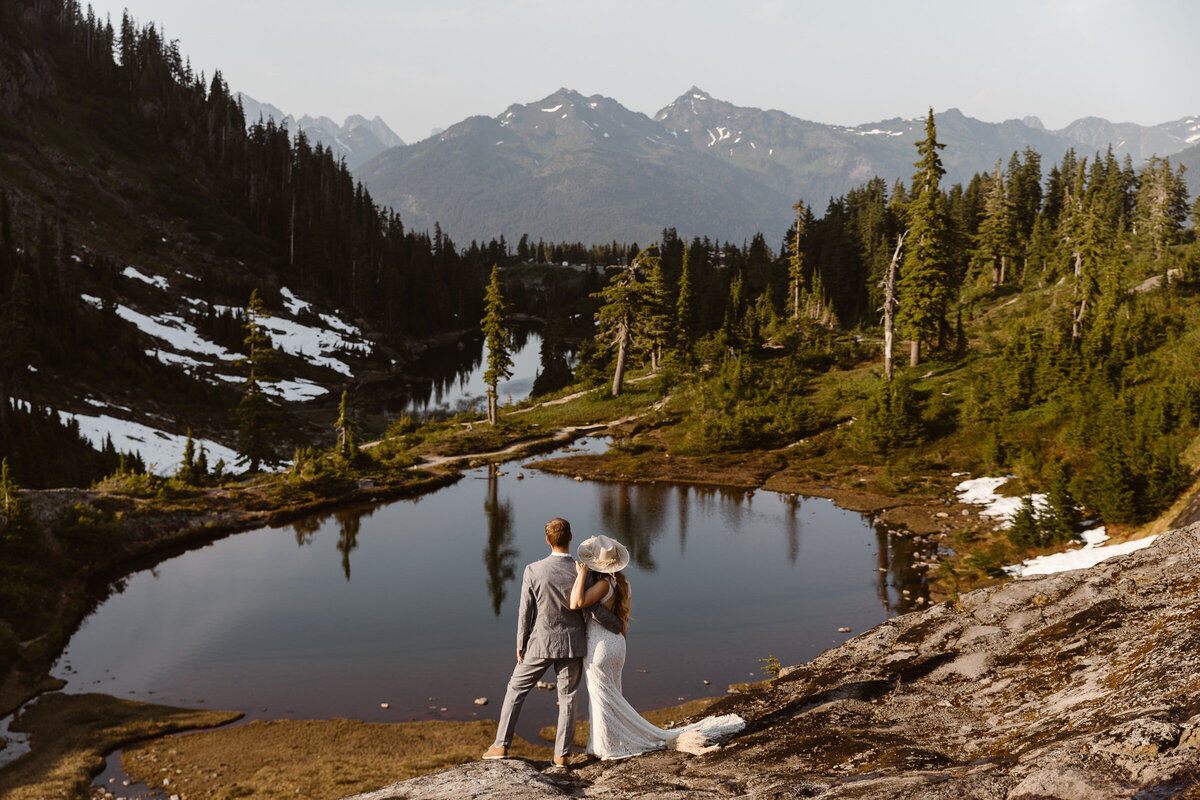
(891, 418)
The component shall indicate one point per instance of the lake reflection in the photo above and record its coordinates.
(414, 603)
(455, 370)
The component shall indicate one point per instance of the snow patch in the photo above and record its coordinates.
(173, 330)
(315, 345)
(294, 391)
(294, 304)
(982, 492)
(162, 451)
(167, 357)
(344, 327)
(153, 280)
(1092, 553)
(312, 344)
(552, 110)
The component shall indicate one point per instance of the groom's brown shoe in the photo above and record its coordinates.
(496, 751)
(563, 761)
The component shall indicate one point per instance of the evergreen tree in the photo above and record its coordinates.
(924, 285)
(1023, 530)
(1060, 519)
(257, 417)
(187, 470)
(796, 260)
(497, 339)
(1024, 182)
(201, 465)
(891, 417)
(345, 429)
(624, 299)
(996, 240)
(684, 311)
(658, 317)
(1161, 204)
(16, 331)
(15, 520)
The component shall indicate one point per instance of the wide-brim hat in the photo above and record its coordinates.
(602, 554)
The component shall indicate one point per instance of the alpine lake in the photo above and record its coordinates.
(407, 610)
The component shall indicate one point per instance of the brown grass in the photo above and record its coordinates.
(310, 758)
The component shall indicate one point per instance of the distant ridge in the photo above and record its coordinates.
(569, 167)
(357, 140)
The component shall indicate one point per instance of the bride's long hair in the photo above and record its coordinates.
(621, 606)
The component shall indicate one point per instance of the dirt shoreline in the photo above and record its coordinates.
(933, 510)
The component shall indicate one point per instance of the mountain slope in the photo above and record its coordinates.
(137, 215)
(576, 168)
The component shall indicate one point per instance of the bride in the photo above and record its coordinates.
(617, 730)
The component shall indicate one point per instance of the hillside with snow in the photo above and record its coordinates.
(321, 353)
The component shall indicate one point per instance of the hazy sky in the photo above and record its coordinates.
(427, 64)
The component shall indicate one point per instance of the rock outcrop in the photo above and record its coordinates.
(1082, 685)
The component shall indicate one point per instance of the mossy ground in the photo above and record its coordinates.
(310, 758)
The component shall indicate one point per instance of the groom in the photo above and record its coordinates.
(549, 634)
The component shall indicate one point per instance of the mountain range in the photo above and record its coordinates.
(575, 168)
(357, 140)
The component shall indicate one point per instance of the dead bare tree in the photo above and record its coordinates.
(888, 284)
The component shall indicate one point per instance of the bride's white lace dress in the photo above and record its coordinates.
(617, 730)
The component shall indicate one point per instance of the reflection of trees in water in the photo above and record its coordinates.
(455, 368)
(732, 505)
(729, 505)
(683, 517)
(349, 523)
(897, 552)
(633, 514)
(554, 372)
(499, 557)
(305, 528)
(793, 527)
(449, 368)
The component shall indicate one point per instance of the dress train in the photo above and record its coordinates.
(617, 730)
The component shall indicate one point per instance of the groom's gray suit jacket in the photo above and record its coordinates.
(546, 625)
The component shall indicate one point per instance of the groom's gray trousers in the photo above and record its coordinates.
(549, 635)
(524, 677)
